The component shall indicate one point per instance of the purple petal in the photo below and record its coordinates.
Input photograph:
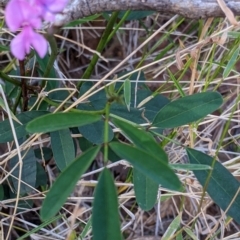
(50, 7)
(57, 5)
(13, 16)
(39, 43)
(20, 45)
(20, 13)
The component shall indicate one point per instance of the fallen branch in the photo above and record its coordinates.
(194, 9)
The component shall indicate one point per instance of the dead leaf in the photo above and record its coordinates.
(227, 11)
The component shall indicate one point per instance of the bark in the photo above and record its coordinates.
(194, 9)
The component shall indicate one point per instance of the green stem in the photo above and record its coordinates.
(107, 112)
(54, 53)
(118, 25)
(101, 45)
(5, 77)
(17, 101)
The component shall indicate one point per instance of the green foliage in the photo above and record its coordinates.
(220, 183)
(187, 109)
(94, 132)
(6, 134)
(62, 147)
(28, 173)
(172, 228)
(145, 189)
(127, 93)
(59, 121)
(66, 182)
(125, 120)
(135, 15)
(152, 166)
(106, 222)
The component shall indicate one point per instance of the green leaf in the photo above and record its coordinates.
(43, 153)
(29, 171)
(190, 233)
(65, 183)
(62, 147)
(172, 228)
(105, 219)
(97, 101)
(127, 93)
(135, 15)
(43, 65)
(95, 132)
(25, 117)
(4, 48)
(231, 63)
(153, 106)
(41, 177)
(134, 115)
(189, 167)
(2, 105)
(1, 192)
(152, 167)
(222, 185)
(82, 20)
(187, 109)
(141, 139)
(58, 121)
(146, 190)
(84, 144)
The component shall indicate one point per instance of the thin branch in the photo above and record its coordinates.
(194, 9)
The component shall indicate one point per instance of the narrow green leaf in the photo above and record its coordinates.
(4, 48)
(1, 192)
(94, 132)
(127, 93)
(179, 236)
(146, 190)
(86, 229)
(189, 167)
(65, 183)
(41, 176)
(152, 106)
(231, 63)
(152, 167)
(105, 219)
(134, 115)
(172, 228)
(233, 34)
(222, 185)
(142, 139)
(2, 105)
(39, 227)
(62, 147)
(43, 153)
(29, 171)
(135, 15)
(190, 233)
(57, 121)
(82, 20)
(6, 130)
(187, 109)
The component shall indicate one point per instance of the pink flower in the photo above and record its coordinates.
(49, 8)
(21, 44)
(28, 14)
(19, 13)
